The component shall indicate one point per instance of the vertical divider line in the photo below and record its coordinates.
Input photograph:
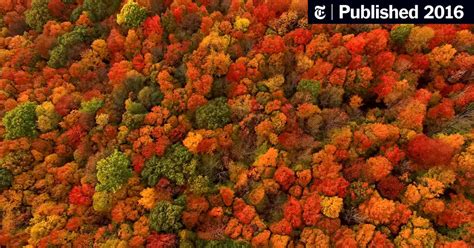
(332, 16)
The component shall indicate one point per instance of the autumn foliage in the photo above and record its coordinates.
(206, 123)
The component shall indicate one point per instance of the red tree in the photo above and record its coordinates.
(429, 152)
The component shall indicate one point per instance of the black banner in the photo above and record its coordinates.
(390, 11)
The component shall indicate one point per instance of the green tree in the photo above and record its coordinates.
(6, 179)
(229, 243)
(59, 54)
(38, 14)
(310, 86)
(215, 114)
(102, 201)
(166, 217)
(113, 171)
(177, 165)
(97, 9)
(199, 185)
(399, 34)
(20, 121)
(92, 106)
(150, 96)
(131, 15)
(134, 114)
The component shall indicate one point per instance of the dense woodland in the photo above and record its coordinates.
(231, 123)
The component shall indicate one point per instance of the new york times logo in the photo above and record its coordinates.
(319, 12)
(390, 11)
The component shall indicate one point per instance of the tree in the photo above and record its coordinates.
(48, 118)
(229, 243)
(429, 152)
(331, 97)
(311, 209)
(6, 179)
(134, 114)
(378, 167)
(272, 44)
(81, 195)
(152, 25)
(331, 206)
(175, 165)
(440, 57)
(377, 41)
(20, 121)
(263, 13)
(59, 9)
(417, 233)
(59, 54)
(313, 237)
(418, 38)
(400, 33)
(285, 177)
(292, 211)
(377, 210)
(236, 72)
(97, 9)
(390, 187)
(38, 14)
(131, 15)
(156, 240)
(215, 114)
(115, 41)
(102, 201)
(165, 217)
(113, 171)
(310, 87)
(91, 106)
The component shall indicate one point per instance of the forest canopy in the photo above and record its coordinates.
(232, 123)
